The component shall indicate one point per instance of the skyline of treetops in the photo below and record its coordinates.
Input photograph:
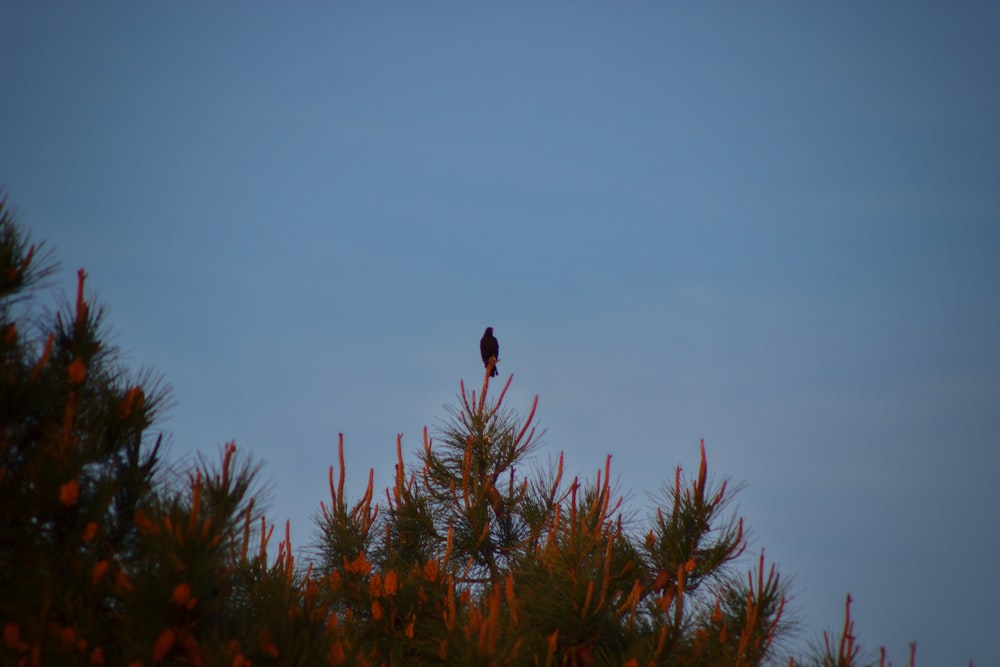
(477, 554)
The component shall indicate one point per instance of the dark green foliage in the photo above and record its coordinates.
(74, 460)
(105, 558)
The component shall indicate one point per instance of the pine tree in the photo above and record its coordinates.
(74, 464)
(106, 556)
(475, 561)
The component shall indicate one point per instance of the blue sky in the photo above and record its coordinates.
(774, 226)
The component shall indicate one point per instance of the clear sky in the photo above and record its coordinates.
(775, 226)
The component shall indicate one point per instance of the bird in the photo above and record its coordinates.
(489, 347)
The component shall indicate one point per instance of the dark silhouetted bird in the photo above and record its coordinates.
(489, 347)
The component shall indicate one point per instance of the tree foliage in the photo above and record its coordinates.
(476, 557)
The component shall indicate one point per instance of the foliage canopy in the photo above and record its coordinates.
(108, 557)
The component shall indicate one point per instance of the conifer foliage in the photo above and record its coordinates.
(475, 555)
(476, 562)
(106, 557)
